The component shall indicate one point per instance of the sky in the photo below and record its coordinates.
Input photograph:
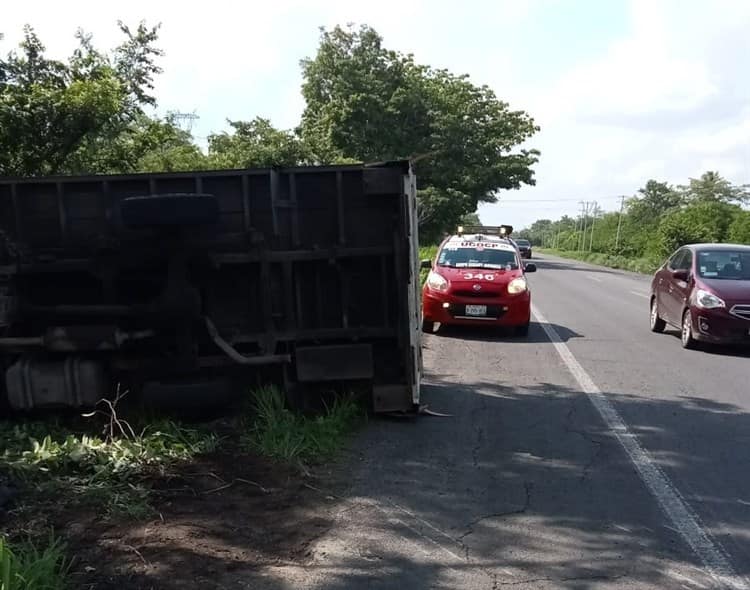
(624, 90)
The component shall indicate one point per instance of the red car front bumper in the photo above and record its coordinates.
(719, 326)
(445, 308)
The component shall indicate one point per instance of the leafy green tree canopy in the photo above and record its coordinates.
(51, 109)
(256, 143)
(712, 187)
(653, 200)
(371, 103)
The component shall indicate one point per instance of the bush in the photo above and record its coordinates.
(700, 222)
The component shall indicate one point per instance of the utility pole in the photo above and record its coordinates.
(593, 222)
(582, 246)
(619, 224)
(578, 238)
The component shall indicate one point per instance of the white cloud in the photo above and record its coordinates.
(641, 74)
(669, 101)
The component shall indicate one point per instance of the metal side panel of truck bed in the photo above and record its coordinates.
(184, 278)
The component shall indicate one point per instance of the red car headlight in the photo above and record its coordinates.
(517, 286)
(437, 282)
(707, 300)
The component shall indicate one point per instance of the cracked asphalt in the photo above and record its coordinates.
(524, 485)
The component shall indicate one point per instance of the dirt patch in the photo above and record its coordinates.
(221, 515)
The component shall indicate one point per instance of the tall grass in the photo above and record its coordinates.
(27, 567)
(277, 432)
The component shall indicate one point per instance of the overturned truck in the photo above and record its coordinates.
(185, 282)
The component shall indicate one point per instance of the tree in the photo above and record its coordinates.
(707, 221)
(370, 103)
(711, 186)
(653, 200)
(256, 143)
(470, 219)
(50, 109)
(145, 145)
(739, 231)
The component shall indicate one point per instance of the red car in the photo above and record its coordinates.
(477, 279)
(704, 290)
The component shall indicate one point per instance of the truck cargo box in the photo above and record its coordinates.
(183, 277)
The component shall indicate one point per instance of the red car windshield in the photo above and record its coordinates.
(474, 258)
(724, 264)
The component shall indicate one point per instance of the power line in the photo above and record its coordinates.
(187, 118)
(576, 199)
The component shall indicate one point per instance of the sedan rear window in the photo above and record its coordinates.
(478, 258)
(523, 243)
(724, 264)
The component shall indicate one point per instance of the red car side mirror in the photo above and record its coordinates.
(681, 275)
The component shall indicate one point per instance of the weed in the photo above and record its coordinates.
(277, 432)
(27, 567)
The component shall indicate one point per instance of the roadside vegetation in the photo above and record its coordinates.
(277, 432)
(640, 265)
(110, 471)
(426, 253)
(24, 567)
(654, 223)
(110, 464)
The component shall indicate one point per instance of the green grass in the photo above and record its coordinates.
(107, 471)
(425, 253)
(639, 265)
(279, 433)
(27, 567)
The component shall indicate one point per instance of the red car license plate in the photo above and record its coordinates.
(477, 310)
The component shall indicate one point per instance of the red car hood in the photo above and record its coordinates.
(491, 279)
(727, 289)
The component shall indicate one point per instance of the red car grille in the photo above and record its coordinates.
(493, 311)
(741, 311)
(476, 294)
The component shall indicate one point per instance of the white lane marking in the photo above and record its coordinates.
(685, 521)
(597, 279)
(645, 295)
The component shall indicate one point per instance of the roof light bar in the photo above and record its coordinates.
(490, 230)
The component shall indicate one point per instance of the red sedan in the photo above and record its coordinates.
(477, 280)
(704, 290)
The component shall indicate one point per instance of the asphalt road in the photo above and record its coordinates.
(610, 459)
